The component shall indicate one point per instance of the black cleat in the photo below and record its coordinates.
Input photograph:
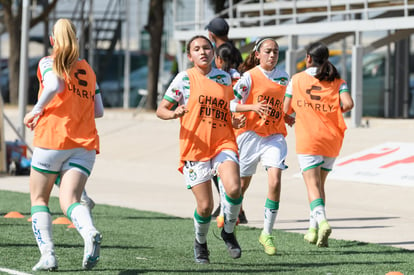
(201, 253)
(232, 245)
(242, 217)
(216, 212)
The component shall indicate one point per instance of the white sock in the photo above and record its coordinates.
(269, 220)
(82, 219)
(231, 210)
(42, 230)
(319, 213)
(312, 221)
(201, 226)
(222, 196)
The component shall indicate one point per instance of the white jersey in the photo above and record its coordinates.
(179, 89)
(243, 86)
(53, 84)
(312, 71)
(46, 65)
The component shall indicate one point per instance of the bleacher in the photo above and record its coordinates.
(329, 21)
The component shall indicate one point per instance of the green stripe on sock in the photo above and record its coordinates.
(57, 181)
(39, 208)
(316, 202)
(200, 219)
(70, 209)
(234, 201)
(272, 204)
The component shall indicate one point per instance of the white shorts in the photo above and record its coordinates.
(271, 151)
(56, 161)
(196, 172)
(307, 162)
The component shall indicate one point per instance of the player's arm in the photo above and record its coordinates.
(99, 108)
(347, 103)
(174, 95)
(287, 101)
(164, 110)
(52, 85)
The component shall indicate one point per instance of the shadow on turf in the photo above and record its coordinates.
(152, 218)
(344, 219)
(244, 268)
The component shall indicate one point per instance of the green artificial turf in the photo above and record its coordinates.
(139, 242)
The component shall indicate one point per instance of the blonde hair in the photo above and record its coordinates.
(65, 48)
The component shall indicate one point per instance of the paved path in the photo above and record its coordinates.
(137, 169)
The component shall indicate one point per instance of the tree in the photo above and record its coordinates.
(155, 28)
(12, 20)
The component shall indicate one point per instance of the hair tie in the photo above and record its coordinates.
(260, 41)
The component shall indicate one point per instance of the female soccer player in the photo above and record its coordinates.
(207, 142)
(262, 89)
(66, 143)
(318, 96)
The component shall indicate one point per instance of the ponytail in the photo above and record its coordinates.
(320, 55)
(65, 48)
(327, 71)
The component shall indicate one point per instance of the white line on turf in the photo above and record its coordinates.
(13, 272)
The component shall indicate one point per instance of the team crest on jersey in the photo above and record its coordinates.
(192, 174)
(219, 78)
(281, 81)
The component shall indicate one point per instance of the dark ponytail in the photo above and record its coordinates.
(226, 53)
(250, 62)
(320, 59)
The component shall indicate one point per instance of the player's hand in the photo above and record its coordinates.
(30, 120)
(261, 108)
(180, 111)
(238, 121)
(289, 120)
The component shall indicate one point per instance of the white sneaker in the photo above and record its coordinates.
(87, 202)
(47, 262)
(92, 250)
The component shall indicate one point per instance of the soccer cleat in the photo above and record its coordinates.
(311, 236)
(220, 221)
(92, 250)
(242, 217)
(216, 212)
(323, 234)
(201, 253)
(233, 246)
(267, 241)
(87, 202)
(47, 262)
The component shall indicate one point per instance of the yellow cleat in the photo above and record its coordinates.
(267, 241)
(323, 234)
(311, 236)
